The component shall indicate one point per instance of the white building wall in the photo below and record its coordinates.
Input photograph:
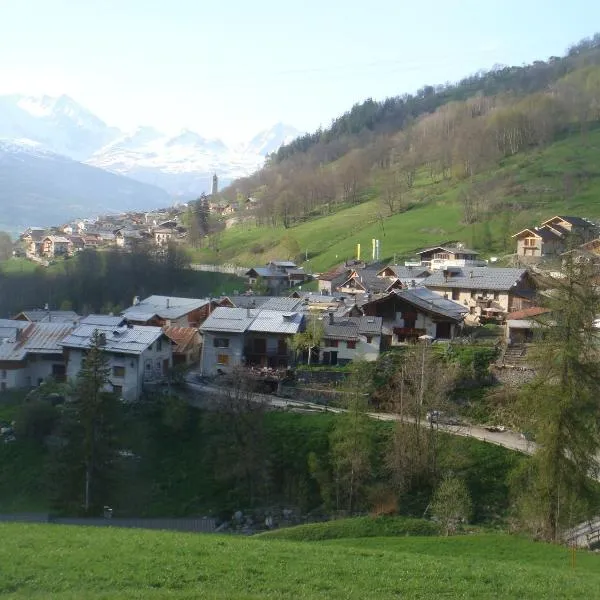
(210, 354)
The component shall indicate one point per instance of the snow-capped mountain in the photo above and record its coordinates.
(59, 124)
(270, 140)
(182, 165)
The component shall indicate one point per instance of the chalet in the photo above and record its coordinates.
(411, 313)
(47, 316)
(31, 353)
(520, 326)
(77, 243)
(167, 310)
(409, 276)
(137, 356)
(32, 239)
(186, 344)
(237, 337)
(553, 237)
(330, 280)
(488, 293)
(439, 257)
(367, 281)
(55, 245)
(350, 338)
(277, 275)
(162, 236)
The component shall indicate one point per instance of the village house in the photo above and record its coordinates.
(238, 337)
(30, 353)
(186, 344)
(162, 236)
(346, 339)
(277, 275)
(520, 326)
(138, 356)
(44, 315)
(32, 239)
(553, 237)
(487, 292)
(168, 310)
(55, 246)
(367, 281)
(457, 255)
(409, 314)
(330, 280)
(409, 276)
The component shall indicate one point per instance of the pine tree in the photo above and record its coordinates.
(562, 406)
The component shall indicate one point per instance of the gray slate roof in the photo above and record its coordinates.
(239, 320)
(127, 340)
(407, 273)
(50, 316)
(350, 328)
(103, 320)
(282, 304)
(166, 307)
(249, 301)
(482, 278)
(429, 301)
(274, 321)
(36, 338)
(449, 248)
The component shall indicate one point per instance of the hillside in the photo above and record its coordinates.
(472, 161)
(41, 561)
(530, 186)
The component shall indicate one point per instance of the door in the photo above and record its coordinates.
(442, 330)
(333, 357)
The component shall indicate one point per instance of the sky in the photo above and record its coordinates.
(229, 68)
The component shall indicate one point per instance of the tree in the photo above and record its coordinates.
(561, 406)
(351, 444)
(86, 457)
(451, 504)
(6, 246)
(309, 339)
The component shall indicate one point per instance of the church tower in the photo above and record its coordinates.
(215, 185)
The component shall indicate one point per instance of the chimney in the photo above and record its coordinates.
(136, 300)
(248, 312)
(331, 318)
(470, 274)
(168, 302)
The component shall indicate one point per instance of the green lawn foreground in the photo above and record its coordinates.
(60, 562)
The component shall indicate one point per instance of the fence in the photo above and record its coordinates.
(228, 269)
(194, 525)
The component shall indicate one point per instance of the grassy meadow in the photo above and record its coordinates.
(561, 178)
(62, 562)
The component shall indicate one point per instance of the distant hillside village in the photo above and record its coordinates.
(360, 311)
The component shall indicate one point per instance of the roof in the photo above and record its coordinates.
(404, 272)
(527, 313)
(282, 304)
(350, 328)
(431, 302)
(184, 338)
(229, 320)
(477, 278)
(166, 307)
(238, 320)
(57, 239)
(36, 338)
(453, 249)
(9, 328)
(334, 273)
(49, 316)
(267, 273)
(284, 263)
(576, 221)
(274, 321)
(249, 301)
(103, 320)
(132, 339)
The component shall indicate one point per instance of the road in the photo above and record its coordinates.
(507, 439)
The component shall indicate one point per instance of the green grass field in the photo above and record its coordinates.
(561, 178)
(60, 562)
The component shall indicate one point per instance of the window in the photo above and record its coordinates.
(455, 294)
(222, 359)
(351, 345)
(333, 343)
(118, 371)
(529, 242)
(118, 389)
(473, 293)
(159, 345)
(221, 343)
(369, 339)
(496, 295)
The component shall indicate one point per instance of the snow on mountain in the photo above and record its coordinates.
(59, 124)
(270, 140)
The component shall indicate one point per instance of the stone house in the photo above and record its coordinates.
(186, 344)
(168, 310)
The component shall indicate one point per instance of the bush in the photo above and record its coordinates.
(35, 420)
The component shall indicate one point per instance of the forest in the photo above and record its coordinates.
(452, 132)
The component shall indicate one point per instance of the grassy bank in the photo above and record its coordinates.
(67, 563)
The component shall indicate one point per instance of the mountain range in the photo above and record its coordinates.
(58, 160)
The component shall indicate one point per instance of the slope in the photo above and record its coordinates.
(41, 561)
(522, 190)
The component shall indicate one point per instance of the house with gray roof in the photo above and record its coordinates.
(42, 315)
(138, 356)
(248, 337)
(487, 292)
(168, 310)
(31, 352)
(346, 339)
(277, 275)
(408, 314)
(449, 255)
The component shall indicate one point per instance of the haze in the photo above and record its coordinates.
(230, 69)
